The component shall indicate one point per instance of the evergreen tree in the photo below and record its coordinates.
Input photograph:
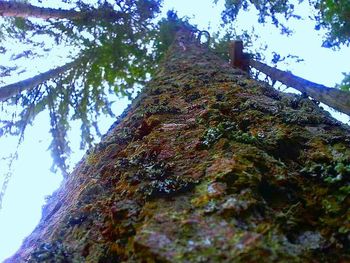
(111, 55)
(206, 165)
(333, 16)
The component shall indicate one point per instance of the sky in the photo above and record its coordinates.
(31, 178)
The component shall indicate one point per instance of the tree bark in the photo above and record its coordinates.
(23, 10)
(17, 9)
(206, 165)
(14, 89)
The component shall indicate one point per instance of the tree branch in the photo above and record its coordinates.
(335, 98)
(30, 83)
(16, 9)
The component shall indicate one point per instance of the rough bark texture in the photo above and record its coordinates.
(206, 165)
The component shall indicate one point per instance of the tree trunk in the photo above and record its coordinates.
(11, 90)
(17, 9)
(206, 165)
(24, 10)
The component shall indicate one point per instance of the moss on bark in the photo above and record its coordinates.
(206, 165)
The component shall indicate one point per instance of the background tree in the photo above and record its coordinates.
(109, 38)
(329, 14)
(206, 165)
(24, 10)
(333, 16)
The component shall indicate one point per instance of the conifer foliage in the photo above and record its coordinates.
(331, 15)
(107, 43)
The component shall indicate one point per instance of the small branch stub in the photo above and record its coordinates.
(237, 58)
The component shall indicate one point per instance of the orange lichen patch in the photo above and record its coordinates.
(192, 164)
(146, 127)
(116, 249)
(225, 86)
(92, 159)
(123, 187)
(154, 120)
(221, 144)
(319, 151)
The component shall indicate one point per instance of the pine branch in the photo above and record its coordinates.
(11, 90)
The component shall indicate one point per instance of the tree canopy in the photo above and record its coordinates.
(331, 15)
(109, 55)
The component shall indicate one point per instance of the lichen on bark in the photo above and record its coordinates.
(206, 165)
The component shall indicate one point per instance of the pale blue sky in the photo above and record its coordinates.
(32, 180)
